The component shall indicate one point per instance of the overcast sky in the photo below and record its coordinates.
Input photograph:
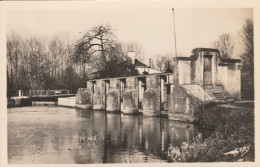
(152, 28)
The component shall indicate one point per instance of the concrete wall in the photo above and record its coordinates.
(192, 72)
(184, 72)
(89, 85)
(67, 101)
(230, 77)
(181, 105)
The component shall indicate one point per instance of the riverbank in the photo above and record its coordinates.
(227, 128)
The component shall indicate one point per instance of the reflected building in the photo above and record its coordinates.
(87, 136)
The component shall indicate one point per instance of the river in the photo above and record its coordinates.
(55, 135)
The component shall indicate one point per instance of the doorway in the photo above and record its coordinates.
(107, 86)
(141, 90)
(122, 88)
(207, 70)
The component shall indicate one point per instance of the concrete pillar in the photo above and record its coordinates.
(130, 105)
(151, 103)
(162, 82)
(113, 100)
(20, 93)
(84, 98)
(99, 95)
(151, 97)
(97, 101)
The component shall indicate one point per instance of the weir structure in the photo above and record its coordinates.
(204, 77)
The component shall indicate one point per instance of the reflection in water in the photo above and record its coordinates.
(66, 135)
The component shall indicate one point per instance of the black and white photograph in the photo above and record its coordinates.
(108, 82)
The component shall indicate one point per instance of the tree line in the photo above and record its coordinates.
(36, 63)
(39, 63)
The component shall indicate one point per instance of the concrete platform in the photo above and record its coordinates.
(44, 103)
(53, 98)
(20, 101)
(83, 106)
(182, 117)
(67, 101)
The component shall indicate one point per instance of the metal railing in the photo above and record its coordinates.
(47, 92)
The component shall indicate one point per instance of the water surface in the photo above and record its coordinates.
(52, 134)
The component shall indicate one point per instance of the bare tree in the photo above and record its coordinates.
(164, 62)
(13, 57)
(134, 46)
(225, 45)
(247, 78)
(94, 44)
(40, 63)
(247, 35)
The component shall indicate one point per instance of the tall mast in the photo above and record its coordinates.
(174, 33)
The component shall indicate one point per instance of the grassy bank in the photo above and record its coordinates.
(226, 134)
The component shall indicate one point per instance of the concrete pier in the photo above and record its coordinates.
(98, 89)
(129, 102)
(83, 98)
(113, 101)
(130, 96)
(150, 103)
(151, 99)
(21, 101)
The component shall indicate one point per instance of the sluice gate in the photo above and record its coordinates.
(204, 77)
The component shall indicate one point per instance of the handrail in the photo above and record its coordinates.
(47, 92)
